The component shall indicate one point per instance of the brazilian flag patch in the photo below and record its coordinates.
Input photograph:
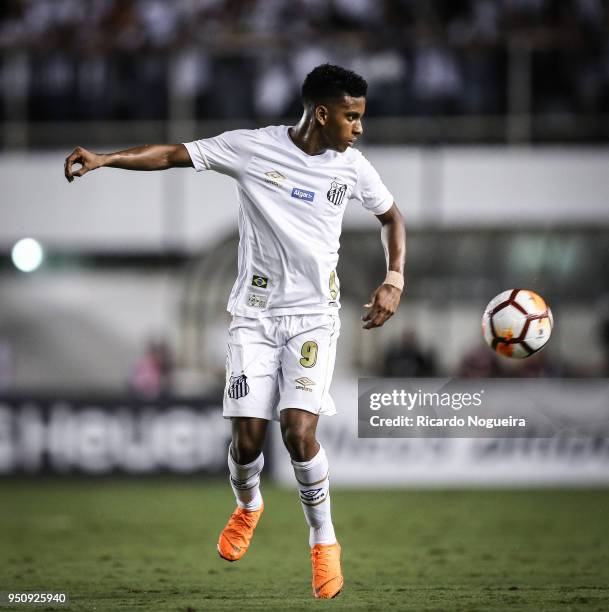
(260, 281)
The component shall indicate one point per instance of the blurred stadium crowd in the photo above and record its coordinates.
(126, 59)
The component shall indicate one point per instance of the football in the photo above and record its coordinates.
(517, 323)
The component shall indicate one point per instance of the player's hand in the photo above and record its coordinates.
(87, 160)
(383, 304)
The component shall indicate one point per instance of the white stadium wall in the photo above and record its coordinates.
(84, 330)
(113, 209)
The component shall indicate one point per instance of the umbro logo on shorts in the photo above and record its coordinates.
(303, 383)
(238, 387)
(336, 193)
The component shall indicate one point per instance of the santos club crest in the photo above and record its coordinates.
(238, 387)
(337, 191)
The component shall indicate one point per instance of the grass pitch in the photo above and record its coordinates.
(150, 545)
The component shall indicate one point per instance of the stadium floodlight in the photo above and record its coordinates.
(27, 255)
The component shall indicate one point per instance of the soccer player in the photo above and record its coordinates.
(294, 184)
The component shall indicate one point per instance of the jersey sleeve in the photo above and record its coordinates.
(227, 153)
(370, 190)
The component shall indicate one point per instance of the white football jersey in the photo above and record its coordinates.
(290, 217)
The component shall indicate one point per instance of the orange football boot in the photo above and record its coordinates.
(237, 535)
(327, 575)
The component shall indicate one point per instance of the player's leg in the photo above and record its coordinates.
(245, 460)
(311, 470)
(307, 367)
(249, 400)
(245, 463)
(312, 474)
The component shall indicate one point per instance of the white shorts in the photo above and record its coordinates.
(280, 362)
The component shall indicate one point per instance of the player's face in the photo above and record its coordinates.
(342, 124)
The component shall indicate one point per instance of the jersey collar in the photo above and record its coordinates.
(308, 159)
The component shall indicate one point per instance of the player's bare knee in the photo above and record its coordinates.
(245, 451)
(300, 442)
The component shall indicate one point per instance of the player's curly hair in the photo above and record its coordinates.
(330, 82)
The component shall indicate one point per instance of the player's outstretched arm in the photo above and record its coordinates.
(147, 157)
(386, 298)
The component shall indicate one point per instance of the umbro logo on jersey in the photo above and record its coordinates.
(260, 281)
(238, 387)
(336, 193)
(303, 194)
(274, 178)
(303, 383)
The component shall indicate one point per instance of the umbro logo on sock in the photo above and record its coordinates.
(312, 495)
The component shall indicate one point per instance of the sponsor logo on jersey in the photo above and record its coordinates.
(303, 383)
(260, 281)
(303, 194)
(238, 387)
(336, 193)
(256, 300)
(274, 178)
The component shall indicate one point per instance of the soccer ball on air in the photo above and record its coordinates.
(517, 323)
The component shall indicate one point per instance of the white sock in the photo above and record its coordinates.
(314, 489)
(245, 481)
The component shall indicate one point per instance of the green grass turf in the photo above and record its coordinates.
(150, 545)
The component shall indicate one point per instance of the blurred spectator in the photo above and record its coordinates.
(6, 365)
(408, 359)
(438, 83)
(152, 375)
(540, 365)
(482, 362)
(479, 362)
(603, 327)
